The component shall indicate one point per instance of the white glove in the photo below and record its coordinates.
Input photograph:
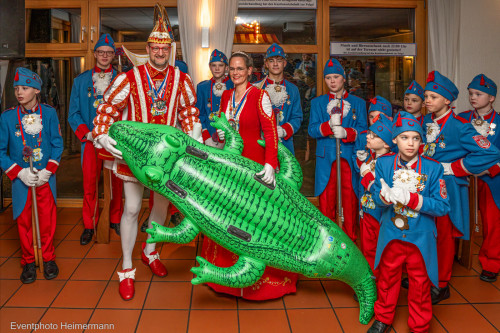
(447, 169)
(339, 132)
(335, 120)
(221, 134)
(27, 177)
(399, 195)
(364, 168)
(89, 136)
(267, 174)
(281, 132)
(361, 155)
(106, 142)
(385, 191)
(196, 132)
(43, 177)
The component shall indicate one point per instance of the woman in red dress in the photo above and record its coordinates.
(249, 110)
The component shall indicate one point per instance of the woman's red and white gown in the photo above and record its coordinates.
(255, 116)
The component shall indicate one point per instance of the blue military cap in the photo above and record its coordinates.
(25, 77)
(405, 122)
(333, 66)
(483, 83)
(105, 40)
(275, 51)
(415, 89)
(440, 84)
(217, 56)
(379, 103)
(383, 128)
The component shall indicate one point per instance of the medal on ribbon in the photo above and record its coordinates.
(157, 96)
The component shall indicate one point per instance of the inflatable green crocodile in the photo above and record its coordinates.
(220, 196)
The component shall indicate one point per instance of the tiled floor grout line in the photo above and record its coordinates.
(103, 291)
(331, 305)
(472, 304)
(192, 290)
(286, 314)
(439, 321)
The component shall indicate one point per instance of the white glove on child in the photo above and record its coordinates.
(339, 132)
(43, 177)
(196, 132)
(385, 191)
(221, 134)
(447, 169)
(27, 177)
(281, 132)
(267, 174)
(399, 195)
(89, 136)
(362, 155)
(364, 168)
(106, 142)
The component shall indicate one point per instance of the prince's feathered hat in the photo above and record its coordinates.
(162, 31)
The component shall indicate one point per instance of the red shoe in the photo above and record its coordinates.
(126, 288)
(153, 261)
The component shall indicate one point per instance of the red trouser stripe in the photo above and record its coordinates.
(91, 168)
(369, 229)
(489, 255)
(396, 254)
(47, 214)
(328, 199)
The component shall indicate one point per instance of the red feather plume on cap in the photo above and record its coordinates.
(399, 122)
(106, 40)
(274, 49)
(430, 77)
(330, 63)
(16, 78)
(377, 117)
(215, 53)
(482, 82)
(373, 100)
(411, 86)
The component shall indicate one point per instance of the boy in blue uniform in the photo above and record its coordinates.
(325, 126)
(462, 151)
(379, 142)
(209, 93)
(486, 121)
(411, 190)
(378, 105)
(414, 100)
(86, 95)
(33, 125)
(284, 96)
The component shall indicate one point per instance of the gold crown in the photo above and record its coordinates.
(162, 31)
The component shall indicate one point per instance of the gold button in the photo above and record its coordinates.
(404, 236)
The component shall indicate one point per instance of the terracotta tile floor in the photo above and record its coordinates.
(86, 292)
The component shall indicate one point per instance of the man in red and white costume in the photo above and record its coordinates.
(155, 93)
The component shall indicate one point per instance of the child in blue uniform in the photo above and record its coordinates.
(284, 96)
(378, 105)
(486, 121)
(379, 142)
(32, 125)
(325, 126)
(462, 151)
(209, 93)
(86, 95)
(411, 190)
(414, 100)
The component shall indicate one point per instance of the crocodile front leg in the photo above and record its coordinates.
(185, 232)
(245, 272)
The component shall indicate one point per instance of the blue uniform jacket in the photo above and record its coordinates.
(492, 182)
(292, 113)
(11, 151)
(326, 145)
(81, 111)
(422, 228)
(459, 142)
(206, 107)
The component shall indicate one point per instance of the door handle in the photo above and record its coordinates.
(92, 30)
(84, 31)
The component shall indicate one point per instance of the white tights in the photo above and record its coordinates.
(129, 223)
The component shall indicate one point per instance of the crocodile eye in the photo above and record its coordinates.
(172, 141)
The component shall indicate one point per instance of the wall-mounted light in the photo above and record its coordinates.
(205, 42)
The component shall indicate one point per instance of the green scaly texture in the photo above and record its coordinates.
(219, 195)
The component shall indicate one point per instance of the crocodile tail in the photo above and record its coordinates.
(367, 295)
